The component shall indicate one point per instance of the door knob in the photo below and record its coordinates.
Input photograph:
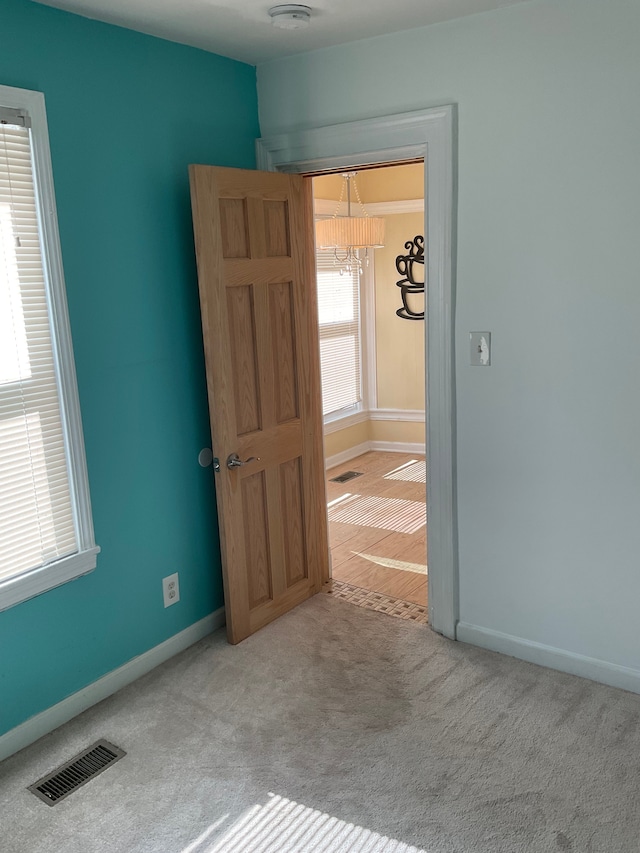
(234, 461)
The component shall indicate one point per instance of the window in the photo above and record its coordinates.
(340, 336)
(46, 533)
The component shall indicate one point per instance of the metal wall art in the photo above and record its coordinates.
(406, 266)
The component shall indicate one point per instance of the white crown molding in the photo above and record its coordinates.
(391, 208)
(327, 207)
(368, 142)
(40, 725)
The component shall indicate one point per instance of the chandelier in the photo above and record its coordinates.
(347, 235)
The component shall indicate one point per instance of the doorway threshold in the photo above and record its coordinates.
(376, 601)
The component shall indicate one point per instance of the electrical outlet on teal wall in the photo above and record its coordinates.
(127, 114)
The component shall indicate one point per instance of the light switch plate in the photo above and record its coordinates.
(480, 349)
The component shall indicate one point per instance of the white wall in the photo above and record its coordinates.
(548, 260)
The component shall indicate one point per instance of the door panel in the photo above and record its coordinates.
(242, 339)
(276, 224)
(292, 507)
(284, 350)
(256, 540)
(256, 272)
(234, 223)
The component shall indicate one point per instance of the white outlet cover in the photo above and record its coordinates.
(171, 589)
(480, 343)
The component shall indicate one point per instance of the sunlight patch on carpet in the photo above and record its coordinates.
(196, 846)
(284, 826)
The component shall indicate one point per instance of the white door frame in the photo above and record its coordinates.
(427, 134)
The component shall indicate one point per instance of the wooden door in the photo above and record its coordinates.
(256, 272)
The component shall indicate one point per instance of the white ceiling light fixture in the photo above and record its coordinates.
(290, 16)
(347, 235)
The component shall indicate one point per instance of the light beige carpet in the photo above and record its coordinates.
(341, 729)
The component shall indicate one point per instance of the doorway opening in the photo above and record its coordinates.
(428, 135)
(373, 395)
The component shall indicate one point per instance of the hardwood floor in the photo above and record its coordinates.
(377, 525)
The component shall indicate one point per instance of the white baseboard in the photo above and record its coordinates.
(398, 446)
(612, 674)
(401, 416)
(36, 727)
(347, 455)
(387, 446)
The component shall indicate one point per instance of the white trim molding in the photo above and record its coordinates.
(369, 142)
(624, 677)
(398, 447)
(40, 725)
(43, 578)
(394, 208)
(347, 455)
(409, 416)
(422, 135)
(328, 207)
(332, 425)
(368, 333)
(336, 421)
(366, 446)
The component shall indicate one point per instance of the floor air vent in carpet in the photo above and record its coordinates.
(70, 776)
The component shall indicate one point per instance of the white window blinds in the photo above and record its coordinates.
(340, 334)
(37, 524)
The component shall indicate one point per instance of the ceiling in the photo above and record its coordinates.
(242, 29)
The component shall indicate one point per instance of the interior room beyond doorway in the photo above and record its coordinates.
(377, 531)
(373, 388)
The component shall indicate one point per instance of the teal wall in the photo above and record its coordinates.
(127, 114)
(548, 216)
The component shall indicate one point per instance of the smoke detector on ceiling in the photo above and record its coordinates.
(290, 16)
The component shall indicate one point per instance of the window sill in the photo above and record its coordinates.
(29, 584)
(335, 424)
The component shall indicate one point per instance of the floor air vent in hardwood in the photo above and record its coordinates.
(348, 475)
(70, 776)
